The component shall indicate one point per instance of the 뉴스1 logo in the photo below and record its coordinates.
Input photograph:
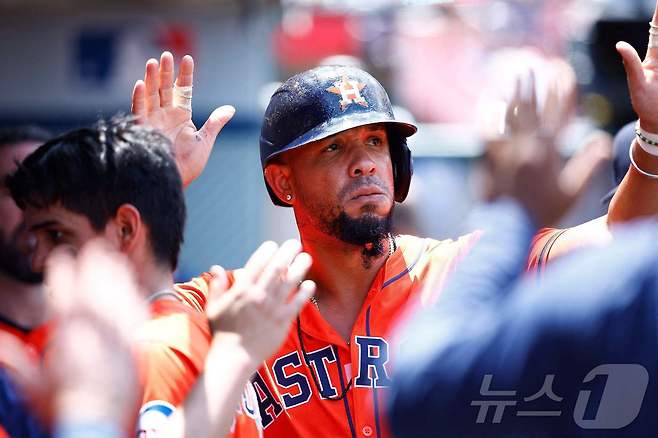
(349, 91)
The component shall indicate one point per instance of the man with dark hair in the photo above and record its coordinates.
(16, 276)
(23, 309)
(94, 174)
(117, 181)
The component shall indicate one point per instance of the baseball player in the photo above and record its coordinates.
(117, 181)
(332, 150)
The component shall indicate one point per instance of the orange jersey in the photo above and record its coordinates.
(17, 342)
(552, 243)
(18, 345)
(540, 248)
(172, 348)
(319, 385)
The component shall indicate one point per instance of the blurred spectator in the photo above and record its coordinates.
(23, 309)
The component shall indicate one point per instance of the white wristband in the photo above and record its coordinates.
(634, 164)
(646, 147)
(648, 141)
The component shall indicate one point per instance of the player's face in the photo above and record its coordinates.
(347, 177)
(55, 227)
(16, 245)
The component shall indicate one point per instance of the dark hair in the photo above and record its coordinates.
(93, 171)
(11, 135)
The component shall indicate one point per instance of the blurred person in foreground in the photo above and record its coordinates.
(500, 355)
(118, 181)
(91, 384)
(23, 301)
(635, 196)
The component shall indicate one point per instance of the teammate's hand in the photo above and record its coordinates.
(268, 293)
(642, 80)
(524, 163)
(154, 104)
(90, 371)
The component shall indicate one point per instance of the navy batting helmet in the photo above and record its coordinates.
(324, 101)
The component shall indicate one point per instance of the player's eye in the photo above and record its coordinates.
(332, 147)
(54, 236)
(375, 141)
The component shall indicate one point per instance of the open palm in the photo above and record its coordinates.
(154, 104)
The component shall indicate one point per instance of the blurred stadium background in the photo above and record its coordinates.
(67, 62)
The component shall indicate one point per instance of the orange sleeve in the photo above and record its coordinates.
(540, 248)
(195, 292)
(166, 373)
(171, 351)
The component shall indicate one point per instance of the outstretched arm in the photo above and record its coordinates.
(249, 321)
(167, 106)
(636, 195)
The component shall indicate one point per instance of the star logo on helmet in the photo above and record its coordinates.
(349, 91)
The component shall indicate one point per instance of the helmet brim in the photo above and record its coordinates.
(340, 124)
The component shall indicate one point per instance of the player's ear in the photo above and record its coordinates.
(127, 227)
(278, 177)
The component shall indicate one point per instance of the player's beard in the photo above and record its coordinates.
(368, 231)
(13, 262)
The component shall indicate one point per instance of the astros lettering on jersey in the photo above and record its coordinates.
(319, 385)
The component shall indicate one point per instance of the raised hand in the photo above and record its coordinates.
(165, 106)
(90, 368)
(258, 309)
(642, 77)
(524, 163)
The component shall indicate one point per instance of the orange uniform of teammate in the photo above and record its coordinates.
(319, 385)
(552, 243)
(172, 348)
(35, 340)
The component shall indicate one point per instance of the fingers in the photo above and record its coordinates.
(152, 82)
(632, 65)
(291, 274)
(298, 269)
(138, 103)
(219, 284)
(275, 273)
(306, 291)
(581, 168)
(110, 294)
(652, 52)
(166, 74)
(217, 120)
(186, 72)
(60, 279)
(258, 261)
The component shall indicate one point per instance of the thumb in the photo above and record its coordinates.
(219, 283)
(216, 122)
(632, 64)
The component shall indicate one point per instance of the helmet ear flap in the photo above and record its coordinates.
(402, 165)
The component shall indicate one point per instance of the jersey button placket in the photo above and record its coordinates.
(367, 430)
